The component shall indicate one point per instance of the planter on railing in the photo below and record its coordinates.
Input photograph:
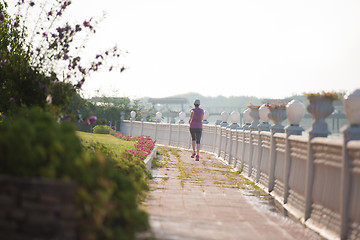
(254, 114)
(143, 116)
(320, 107)
(173, 115)
(158, 117)
(277, 115)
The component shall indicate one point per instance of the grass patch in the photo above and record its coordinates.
(115, 144)
(165, 178)
(156, 163)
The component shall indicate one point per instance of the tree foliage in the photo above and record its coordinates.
(45, 65)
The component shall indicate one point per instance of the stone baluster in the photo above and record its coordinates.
(158, 118)
(206, 116)
(143, 120)
(132, 118)
(277, 115)
(263, 126)
(133, 115)
(235, 118)
(224, 118)
(247, 119)
(182, 116)
(320, 108)
(264, 118)
(295, 111)
(246, 126)
(254, 113)
(351, 132)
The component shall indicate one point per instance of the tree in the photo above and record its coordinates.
(37, 68)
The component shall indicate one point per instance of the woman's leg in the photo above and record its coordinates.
(193, 138)
(198, 139)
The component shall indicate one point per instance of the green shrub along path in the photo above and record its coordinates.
(110, 181)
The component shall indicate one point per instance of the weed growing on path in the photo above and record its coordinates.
(183, 174)
(166, 151)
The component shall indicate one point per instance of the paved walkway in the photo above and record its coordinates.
(206, 200)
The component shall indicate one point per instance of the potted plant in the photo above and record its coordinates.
(277, 115)
(173, 114)
(254, 114)
(320, 107)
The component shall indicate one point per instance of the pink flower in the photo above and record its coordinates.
(77, 28)
(86, 24)
(91, 120)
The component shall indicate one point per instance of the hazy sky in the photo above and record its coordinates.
(260, 48)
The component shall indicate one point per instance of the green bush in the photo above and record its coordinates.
(32, 144)
(101, 129)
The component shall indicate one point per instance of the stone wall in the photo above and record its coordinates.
(36, 209)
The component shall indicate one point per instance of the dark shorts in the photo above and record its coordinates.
(196, 134)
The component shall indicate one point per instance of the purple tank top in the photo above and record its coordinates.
(197, 118)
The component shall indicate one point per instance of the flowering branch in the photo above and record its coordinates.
(55, 49)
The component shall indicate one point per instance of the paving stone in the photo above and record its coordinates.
(211, 203)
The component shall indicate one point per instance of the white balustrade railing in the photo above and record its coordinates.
(316, 178)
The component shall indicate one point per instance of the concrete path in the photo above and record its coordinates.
(206, 200)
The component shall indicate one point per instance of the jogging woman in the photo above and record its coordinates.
(195, 122)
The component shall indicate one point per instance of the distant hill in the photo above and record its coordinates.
(213, 104)
(239, 103)
(220, 103)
